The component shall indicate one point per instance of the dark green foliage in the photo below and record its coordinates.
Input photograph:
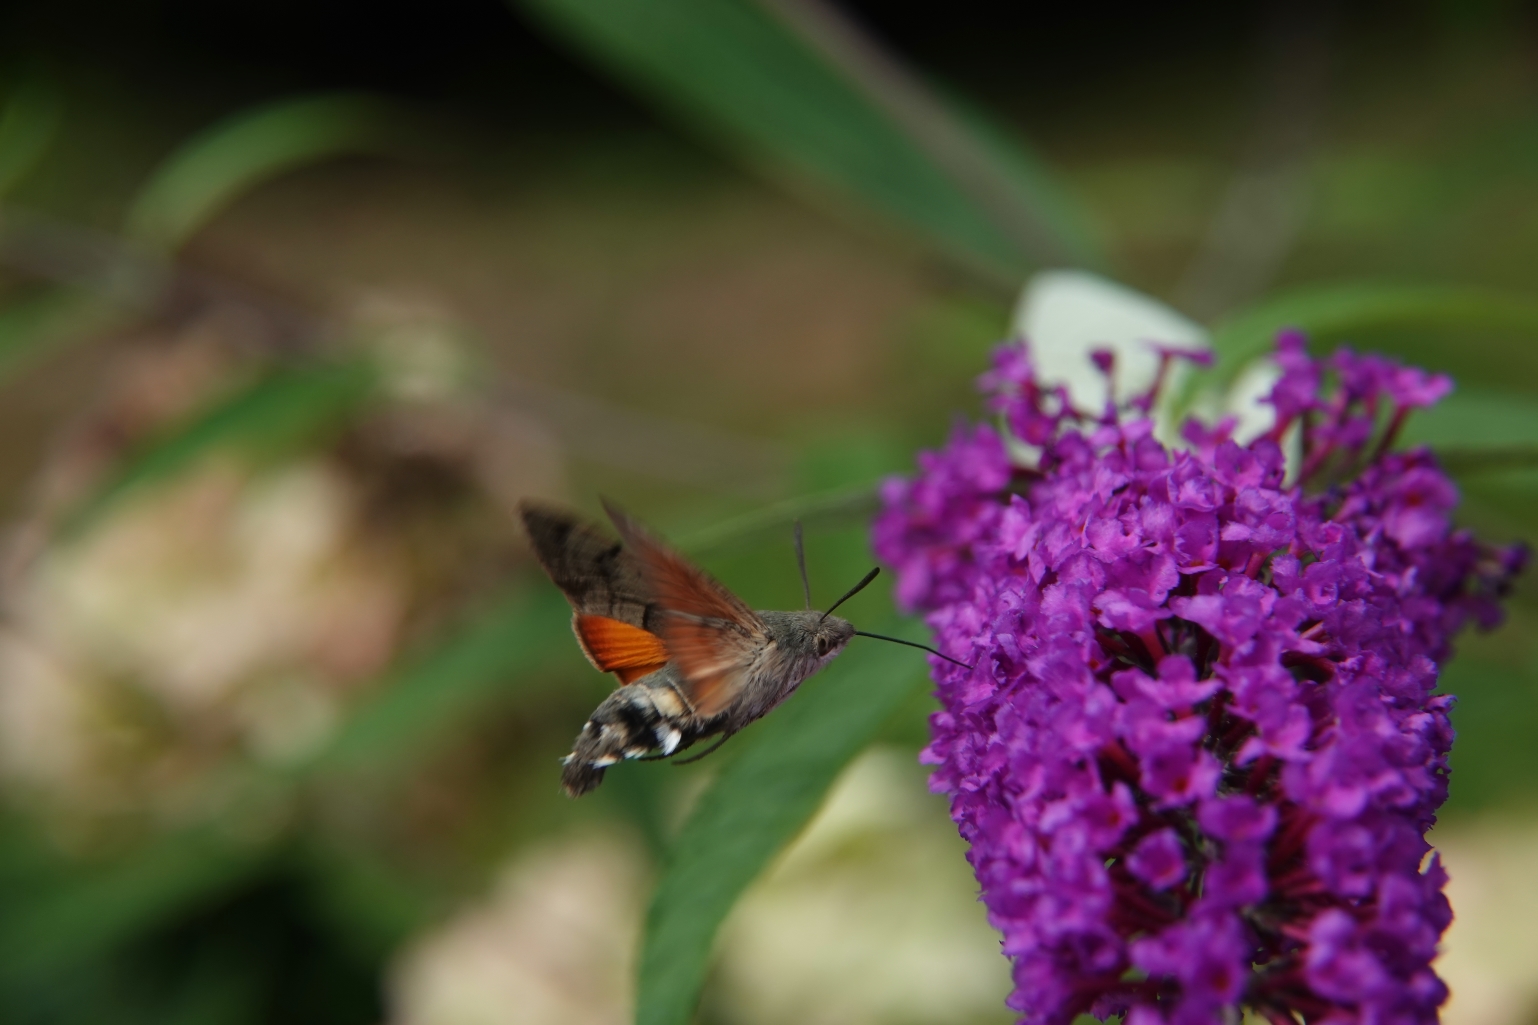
(28, 122)
(253, 949)
(1332, 314)
(750, 78)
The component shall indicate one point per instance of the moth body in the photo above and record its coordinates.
(651, 717)
(800, 643)
(693, 660)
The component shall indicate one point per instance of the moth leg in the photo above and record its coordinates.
(712, 749)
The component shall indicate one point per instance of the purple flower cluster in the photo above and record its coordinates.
(1199, 751)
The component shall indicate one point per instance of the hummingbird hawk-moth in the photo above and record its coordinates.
(692, 659)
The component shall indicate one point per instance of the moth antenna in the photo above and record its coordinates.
(914, 644)
(712, 749)
(856, 589)
(806, 586)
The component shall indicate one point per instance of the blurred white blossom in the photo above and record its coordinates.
(417, 345)
(1490, 953)
(552, 944)
(871, 916)
(203, 627)
(226, 611)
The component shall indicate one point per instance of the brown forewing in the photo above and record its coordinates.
(595, 572)
(712, 637)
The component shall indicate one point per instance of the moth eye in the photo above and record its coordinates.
(822, 646)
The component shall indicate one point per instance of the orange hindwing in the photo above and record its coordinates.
(627, 651)
(712, 637)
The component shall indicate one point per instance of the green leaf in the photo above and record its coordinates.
(839, 506)
(518, 637)
(213, 169)
(38, 323)
(796, 93)
(1335, 310)
(285, 408)
(1475, 418)
(755, 807)
(1037, 185)
(1494, 760)
(1462, 462)
(1475, 430)
(27, 125)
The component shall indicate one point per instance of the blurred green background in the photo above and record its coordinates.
(297, 300)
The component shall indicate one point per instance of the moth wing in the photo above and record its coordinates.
(618, 625)
(595, 572)
(712, 638)
(619, 648)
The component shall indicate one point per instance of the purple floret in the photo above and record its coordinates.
(1200, 750)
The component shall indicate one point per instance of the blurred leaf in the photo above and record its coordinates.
(520, 636)
(34, 325)
(1038, 186)
(842, 505)
(1492, 459)
(1476, 418)
(1494, 759)
(27, 126)
(758, 803)
(285, 408)
(1339, 309)
(207, 173)
(1478, 431)
(834, 115)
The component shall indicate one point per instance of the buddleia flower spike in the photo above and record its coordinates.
(1200, 751)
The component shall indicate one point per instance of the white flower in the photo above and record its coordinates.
(1066, 314)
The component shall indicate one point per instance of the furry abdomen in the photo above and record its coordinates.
(647, 717)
